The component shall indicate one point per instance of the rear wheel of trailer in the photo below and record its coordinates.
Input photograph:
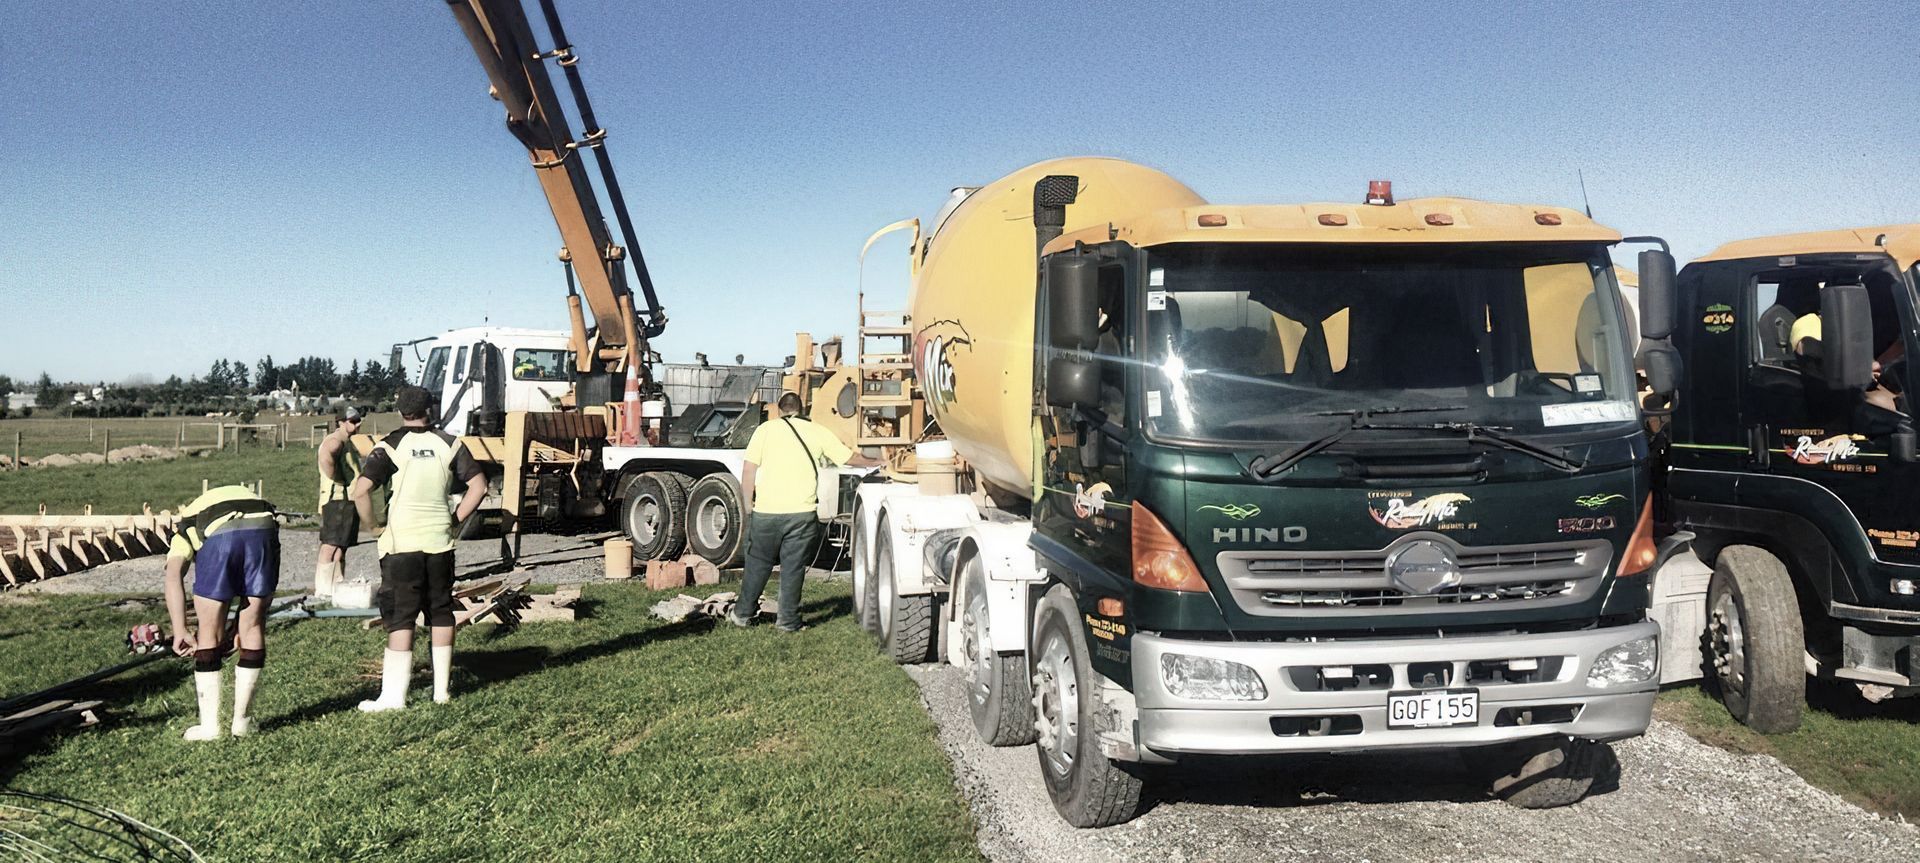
(716, 520)
(653, 515)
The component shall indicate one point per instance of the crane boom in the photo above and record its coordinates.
(503, 40)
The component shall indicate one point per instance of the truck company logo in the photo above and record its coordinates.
(1089, 502)
(1718, 319)
(1423, 568)
(1397, 513)
(934, 345)
(1290, 533)
(1235, 511)
(1839, 447)
(1596, 501)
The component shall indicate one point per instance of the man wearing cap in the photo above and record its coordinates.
(339, 520)
(1874, 410)
(780, 480)
(230, 540)
(418, 464)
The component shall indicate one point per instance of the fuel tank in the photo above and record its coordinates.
(973, 301)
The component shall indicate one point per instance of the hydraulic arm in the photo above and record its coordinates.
(504, 41)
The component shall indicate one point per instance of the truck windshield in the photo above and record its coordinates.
(1253, 343)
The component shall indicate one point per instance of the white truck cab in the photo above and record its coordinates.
(491, 368)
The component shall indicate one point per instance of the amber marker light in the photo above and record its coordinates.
(1546, 219)
(1109, 606)
(1333, 220)
(1439, 220)
(1641, 552)
(1159, 560)
(1212, 220)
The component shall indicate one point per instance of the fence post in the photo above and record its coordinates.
(180, 439)
(106, 443)
(16, 451)
(219, 436)
(283, 435)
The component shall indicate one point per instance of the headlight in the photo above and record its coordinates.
(1636, 661)
(1202, 678)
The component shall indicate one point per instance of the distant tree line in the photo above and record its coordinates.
(227, 386)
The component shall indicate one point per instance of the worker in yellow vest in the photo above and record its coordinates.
(419, 464)
(339, 521)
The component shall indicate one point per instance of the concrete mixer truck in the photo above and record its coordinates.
(1205, 479)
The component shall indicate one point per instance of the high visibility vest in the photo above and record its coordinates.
(419, 513)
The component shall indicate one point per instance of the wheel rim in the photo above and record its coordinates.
(1056, 693)
(1729, 643)
(645, 523)
(711, 523)
(883, 573)
(978, 652)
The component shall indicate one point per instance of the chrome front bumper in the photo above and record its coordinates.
(1354, 720)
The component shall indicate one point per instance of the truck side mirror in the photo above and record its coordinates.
(1656, 294)
(1662, 365)
(1073, 303)
(1073, 380)
(1846, 336)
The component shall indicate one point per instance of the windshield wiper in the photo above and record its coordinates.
(1357, 418)
(1502, 437)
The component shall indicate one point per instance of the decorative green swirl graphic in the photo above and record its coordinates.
(1595, 501)
(1235, 511)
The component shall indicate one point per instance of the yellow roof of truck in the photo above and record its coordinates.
(1903, 244)
(1419, 220)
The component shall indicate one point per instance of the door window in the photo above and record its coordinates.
(1786, 356)
(541, 365)
(460, 366)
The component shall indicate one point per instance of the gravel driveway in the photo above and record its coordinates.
(1678, 800)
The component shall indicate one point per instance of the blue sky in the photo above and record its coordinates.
(192, 180)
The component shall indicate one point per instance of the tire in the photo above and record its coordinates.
(999, 689)
(1755, 646)
(906, 622)
(864, 600)
(653, 515)
(1545, 772)
(1088, 788)
(715, 520)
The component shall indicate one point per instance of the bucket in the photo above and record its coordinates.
(619, 558)
(938, 470)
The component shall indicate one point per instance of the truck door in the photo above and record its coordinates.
(1085, 502)
(1822, 455)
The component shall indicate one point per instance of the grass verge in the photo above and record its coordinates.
(614, 737)
(1867, 753)
(291, 477)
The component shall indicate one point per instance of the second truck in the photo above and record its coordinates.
(1210, 479)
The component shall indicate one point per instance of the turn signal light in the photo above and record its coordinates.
(1159, 560)
(1641, 552)
(1109, 606)
(1546, 218)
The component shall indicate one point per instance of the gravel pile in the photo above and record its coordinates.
(1678, 800)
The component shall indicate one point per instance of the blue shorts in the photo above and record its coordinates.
(238, 562)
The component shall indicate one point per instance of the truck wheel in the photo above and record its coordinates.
(1088, 788)
(654, 515)
(714, 520)
(906, 622)
(863, 592)
(1545, 772)
(999, 690)
(1754, 640)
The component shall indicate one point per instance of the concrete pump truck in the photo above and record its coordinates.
(1272, 479)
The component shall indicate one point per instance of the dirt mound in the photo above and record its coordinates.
(141, 452)
(55, 460)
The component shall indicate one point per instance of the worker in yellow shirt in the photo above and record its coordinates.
(418, 463)
(229, 539)
(780, 478)
(339, 523)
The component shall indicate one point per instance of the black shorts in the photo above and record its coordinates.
(339, 524)
(412, 582)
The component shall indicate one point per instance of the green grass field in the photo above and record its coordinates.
(42, 436)
(614, 737)
(1867, 753)
(290, 476)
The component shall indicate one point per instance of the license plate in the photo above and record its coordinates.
(1439, 708)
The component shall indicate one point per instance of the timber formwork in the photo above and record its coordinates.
(41, 546)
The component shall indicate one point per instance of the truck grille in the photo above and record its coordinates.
(1277, 583)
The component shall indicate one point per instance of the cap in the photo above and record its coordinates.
(1804, 327)
(353, 414)
(413, 401)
